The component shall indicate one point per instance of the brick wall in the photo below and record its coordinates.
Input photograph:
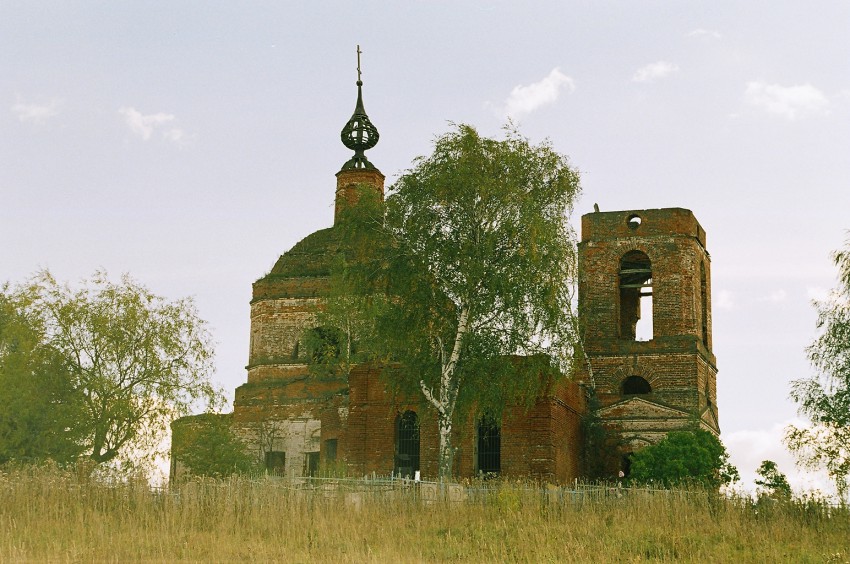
(277, 325)
(542, 441)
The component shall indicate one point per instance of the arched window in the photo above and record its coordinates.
(636, 297)
(626, 465)
(636, 385)
(703, 291)
(406, 444)
(489, 446)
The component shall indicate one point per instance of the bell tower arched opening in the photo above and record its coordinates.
(636, 297)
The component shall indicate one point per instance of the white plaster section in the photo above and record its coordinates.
(295, 437)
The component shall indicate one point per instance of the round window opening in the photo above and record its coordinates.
(634, 221)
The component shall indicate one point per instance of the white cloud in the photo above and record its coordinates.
(525, 99)
(36, 113)
(654, 71)
(145, 125)
(775, 296)
(705, 34)
(791, 102)
(724, 300)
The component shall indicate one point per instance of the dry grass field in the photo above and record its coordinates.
(50, 515)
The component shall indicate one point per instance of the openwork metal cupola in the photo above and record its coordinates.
(359, 134)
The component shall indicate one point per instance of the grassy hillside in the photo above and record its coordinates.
(51, 515)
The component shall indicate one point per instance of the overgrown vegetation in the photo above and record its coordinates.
(51, 515)
(596, 442)
(207, 445)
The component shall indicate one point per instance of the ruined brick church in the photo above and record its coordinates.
(645, 303)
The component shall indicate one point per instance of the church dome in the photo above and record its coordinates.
(303, 271)
(311, 256)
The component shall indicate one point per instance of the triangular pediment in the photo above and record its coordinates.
(645, 409)
(709, 417)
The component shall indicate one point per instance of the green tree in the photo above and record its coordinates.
(38, 404)
(824, 398)
(684, 457)
(131, 361)
(207, 445)
(771, 482)
(472, 259)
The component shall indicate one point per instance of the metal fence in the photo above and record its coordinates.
(471, 492)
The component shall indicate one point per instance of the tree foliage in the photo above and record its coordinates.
(824, 398)
(684, 457)
(121, 361)
(471, 259)
(38, 405)
(771, 482)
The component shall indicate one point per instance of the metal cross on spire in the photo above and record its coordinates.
(358, 63)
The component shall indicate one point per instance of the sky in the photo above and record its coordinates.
(191, 143)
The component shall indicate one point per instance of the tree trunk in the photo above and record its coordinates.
(446, 401)
(446, 450)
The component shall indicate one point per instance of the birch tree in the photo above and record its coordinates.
(824, 398)
(472, 260)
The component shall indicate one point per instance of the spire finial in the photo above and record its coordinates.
(359, 134)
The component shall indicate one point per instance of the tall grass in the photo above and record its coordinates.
(48, 514)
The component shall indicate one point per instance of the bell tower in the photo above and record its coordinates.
(645, 305)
